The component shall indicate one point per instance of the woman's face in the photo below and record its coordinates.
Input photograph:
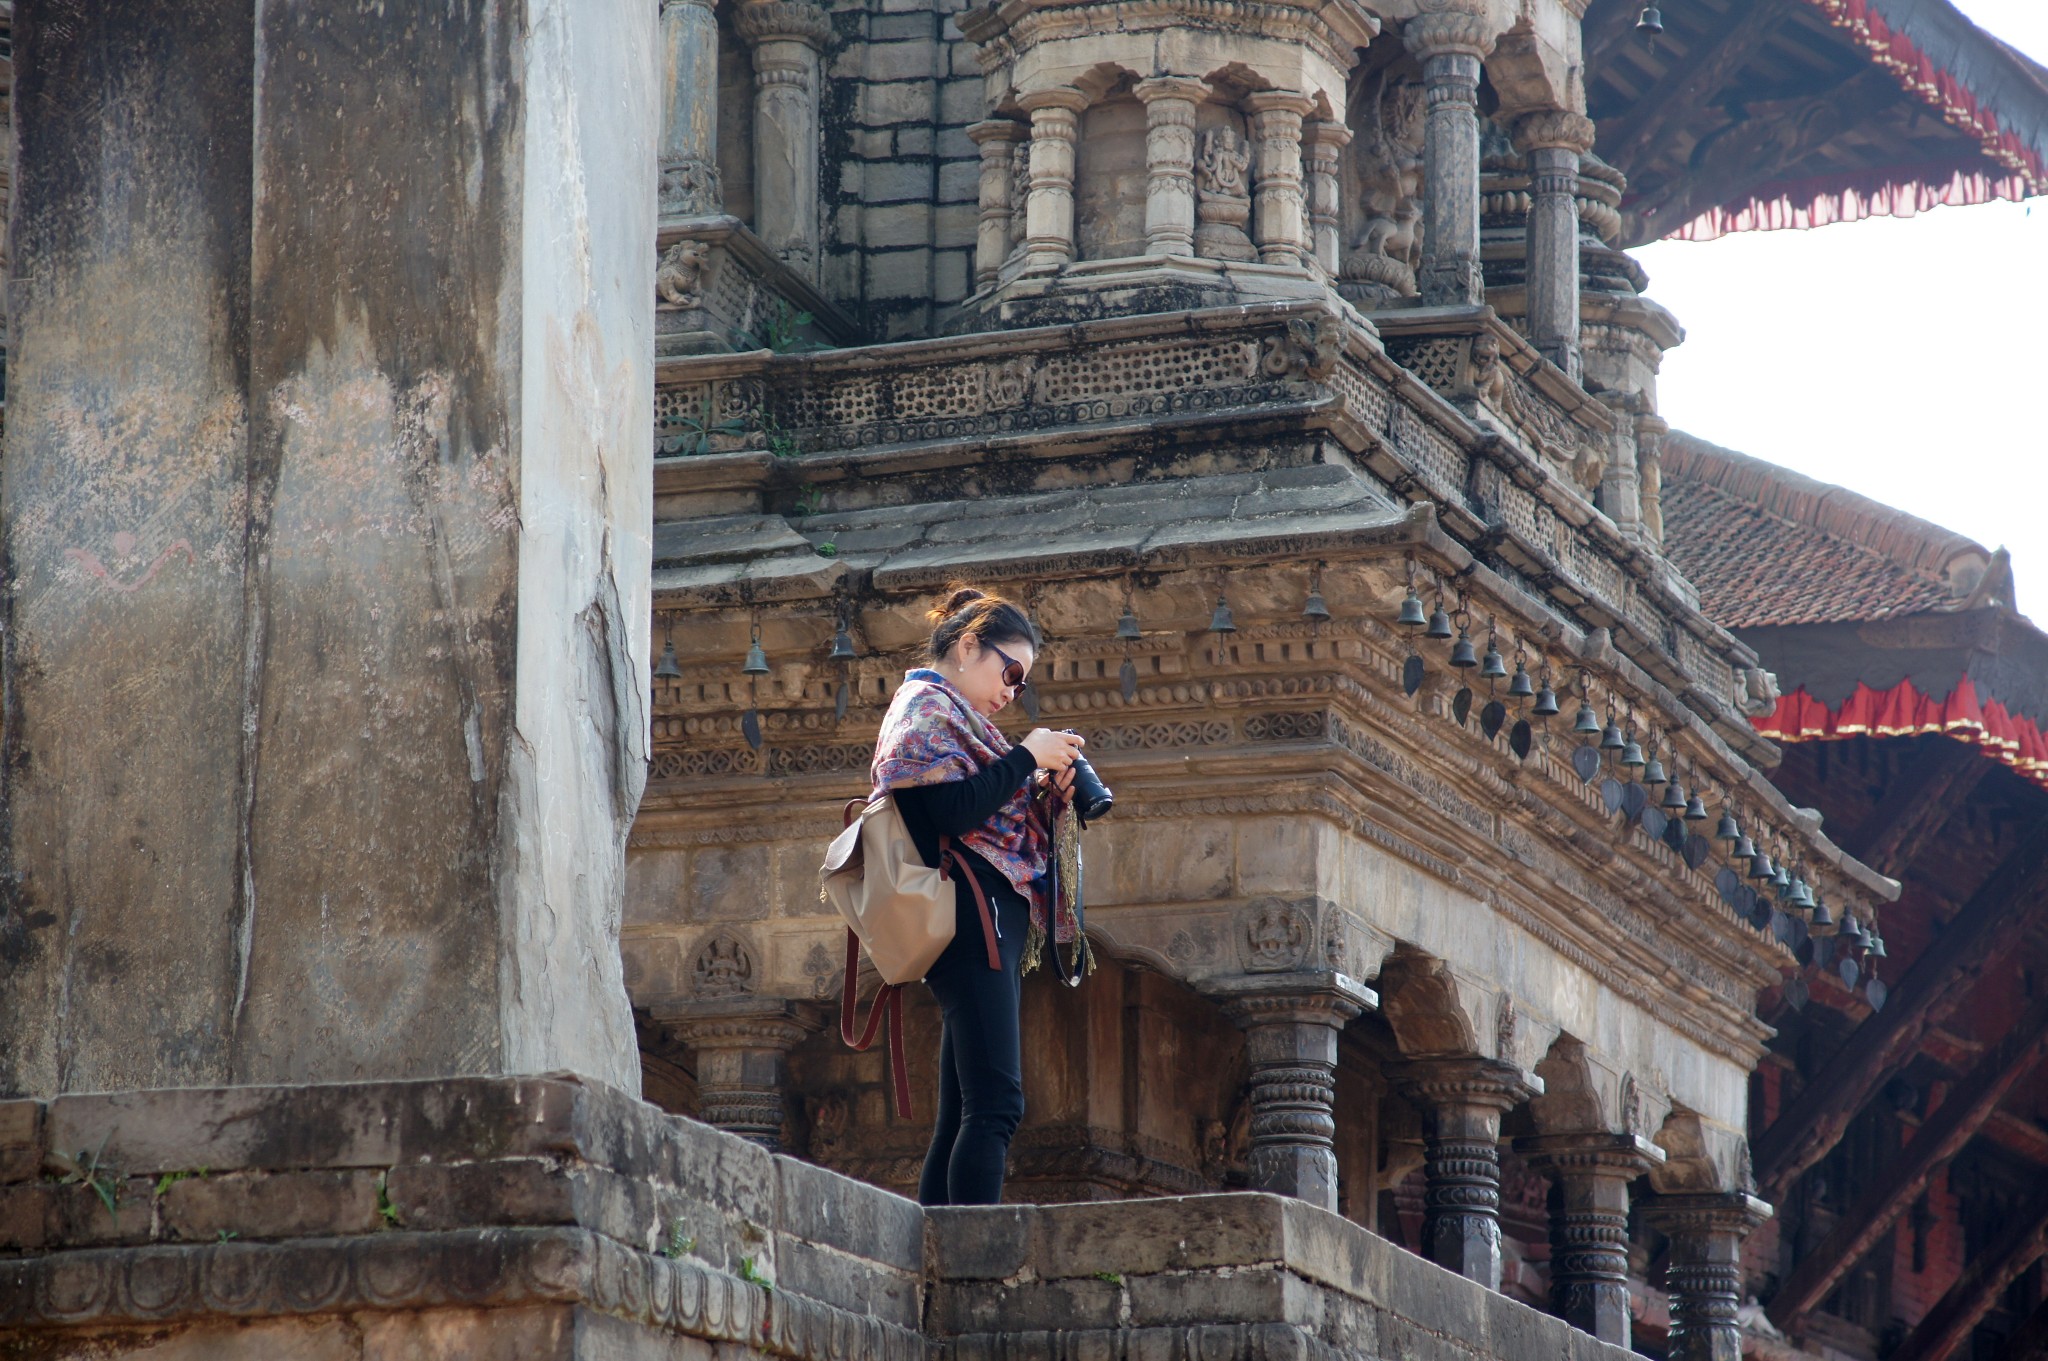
(979, 671)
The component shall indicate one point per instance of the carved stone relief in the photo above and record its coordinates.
(1276, 936)
(1388, 248)
(1223, 201)
(724, 967)
(679, 277)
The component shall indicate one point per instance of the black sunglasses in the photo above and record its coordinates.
(1013, 670)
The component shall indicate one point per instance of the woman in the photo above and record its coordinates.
(954, 775)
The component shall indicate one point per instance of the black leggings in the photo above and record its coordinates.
(981, 1060)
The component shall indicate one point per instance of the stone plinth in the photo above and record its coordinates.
(328, 520)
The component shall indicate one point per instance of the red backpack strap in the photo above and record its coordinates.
(949, 852)
(886, 1009)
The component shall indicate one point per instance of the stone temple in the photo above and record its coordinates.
(472, 477)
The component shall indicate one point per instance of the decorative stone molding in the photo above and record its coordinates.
(1704, 1276)
(1559, 128)
(1589, 1224)
(1291, 1022)
(1049, 214)
(742, 1042)
(1462, 1100)
(1170, 104)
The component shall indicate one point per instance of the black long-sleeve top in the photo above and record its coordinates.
(957, 807)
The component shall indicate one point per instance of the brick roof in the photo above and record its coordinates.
(1767, 546)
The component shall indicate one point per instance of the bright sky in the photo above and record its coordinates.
(1902, 358)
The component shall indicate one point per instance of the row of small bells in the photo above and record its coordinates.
(667, 667)
(1775, 881)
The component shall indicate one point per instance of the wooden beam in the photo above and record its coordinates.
(1894, 1188)
(2030, 1341)
(1691, 85)
(1918, 805)
(1986, 929)
(1607, 25)
(1983, 1280)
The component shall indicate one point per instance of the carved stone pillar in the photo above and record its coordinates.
(689, 115)
(1705, 1275)
(1650, 433)
(998, 139)
(788, 37)
(1553, 140)
(1049, 216)
(1462, 1100)
(1170, 103)
(743, 1046)
(1290, 1021)
(1450, 47)
(1279, 221)
(1325, 143)
(1589, 1224)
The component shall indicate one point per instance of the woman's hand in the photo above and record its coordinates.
(1054, 751)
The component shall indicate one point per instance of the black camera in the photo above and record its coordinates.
(1092, 799)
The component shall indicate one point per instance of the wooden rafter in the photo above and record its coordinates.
(1918, 805)
(1675, 102)
(1607, 26)
(2030, 1341)
(1978, 1288)
(1895, 1187)
(1986, 929)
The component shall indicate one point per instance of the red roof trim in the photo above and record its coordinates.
(1905, 711)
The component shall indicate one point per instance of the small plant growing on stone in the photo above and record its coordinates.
(679, 1244)
(226, 1236)
(699, 429)
(170, 1179)
(783, 332)
(828, 549)
(753, 1274)
(1110, 1276)
(386, 1211)
(85, 1169)
(809, 500)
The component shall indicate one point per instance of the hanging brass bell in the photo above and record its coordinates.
(1463, 654)
(1654, 774)
(1651, 21)
(666, 668)
(1221, 622)
(1491, 667)
(1760, 866)
(1127, 626)
(1632, 755)
(1439, 623)
(1852, 931)
(1521, 687)
(1821, 915)
(1411, 612)
(842, 646)
(1876, 946)
(1695, 808)
(757, 661)
(1781, 880)
(1612, 740)
(1587, 722)
(1802, 893)
(1314, 608)
(1744, 848)
(1674, 800)
(1546, 703)
(1727, 829)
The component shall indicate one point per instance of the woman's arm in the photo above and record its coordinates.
(957, 807)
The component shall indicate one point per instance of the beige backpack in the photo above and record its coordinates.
(900, 910)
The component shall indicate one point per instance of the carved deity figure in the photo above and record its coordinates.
(1223, 201)
(1382, 263)
(679, 276)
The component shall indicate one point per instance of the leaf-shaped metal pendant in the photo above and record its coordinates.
(1759, 912)
(1729, 885)
(1848, 970)
(1461, 705)
(1610, 794)
(840, 701)
(1411, 674)
(1697, 849)
(750, 728)
(1492, 716)
(1518, 739)
(1653, 821)
(1876, 991)
(1674, 835)
(1029, 699)
(1796, 994)
(1586, 760)
(1635, 801)
(1127, 680)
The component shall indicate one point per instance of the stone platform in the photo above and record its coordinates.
(554, 1218)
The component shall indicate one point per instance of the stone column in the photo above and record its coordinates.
(743, 1046)
(1170, 104)
(689, 121)
(1462, 1100)
(1279, 221)
(1450, 46)
(1325, 143)
(327, 517)
(1589, 1227)
(1704, 1277)
(998, 139)
(1049, 215)
(1290, 1021)
(788, 37)
(1553, 140)
(1650, 433)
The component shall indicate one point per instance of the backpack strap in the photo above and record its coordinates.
(886, 1009)
(949, 852)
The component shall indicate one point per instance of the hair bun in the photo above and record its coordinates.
(961, 597)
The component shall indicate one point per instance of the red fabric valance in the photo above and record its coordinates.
(1903, 711)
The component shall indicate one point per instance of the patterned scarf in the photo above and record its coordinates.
(932, 735)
